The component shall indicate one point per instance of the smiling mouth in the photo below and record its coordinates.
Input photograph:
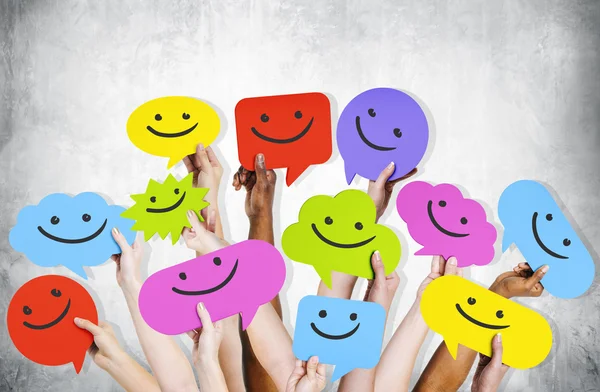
(178, 134)
(333, 337)
(539, 241)
(438, 226)
(367, 141)
(52, 323)
(212, 290)
(477, 322)
(283, 141)
(337, 244)
(167, 209)
(73, 241)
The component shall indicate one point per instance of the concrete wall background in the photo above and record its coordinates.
(513, 86)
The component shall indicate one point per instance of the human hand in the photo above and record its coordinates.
(381, 290)
(105, 351)
(207, 172)
(207, 339)
(128, 261)
(520, 282)
(201, 237)
(260, 188)
(307, 376)
(439, 267)
(381, 190)
(490, 371)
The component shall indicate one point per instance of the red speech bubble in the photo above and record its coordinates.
(291, 131)
(40, 321)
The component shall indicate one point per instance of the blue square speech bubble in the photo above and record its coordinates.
(341, 332)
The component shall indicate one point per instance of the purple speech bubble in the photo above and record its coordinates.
(446, 223)
(380, 126)
(238, 278)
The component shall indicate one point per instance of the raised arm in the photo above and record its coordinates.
(443, 373)
(169, 364)
(110, 357)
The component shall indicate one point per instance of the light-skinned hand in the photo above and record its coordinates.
(307, 376)
(128, 261)
(207, 339)
(207, 172)
(260, 188)
(381, 290)
(520, 282)
(381, 190)
(439, 267)
(105, 351)
(490, 371)
(201, 237)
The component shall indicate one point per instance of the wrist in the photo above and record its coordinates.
(261, 217)
(131, 287)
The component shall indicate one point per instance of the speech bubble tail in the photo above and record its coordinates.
(78, 363)
(349, 174)
(172, 162)
(452, 347)
(339, 372)
(247, 317)
(78, 269)
(293, 173)
(422, 252)
(506, 242)
(325, 275)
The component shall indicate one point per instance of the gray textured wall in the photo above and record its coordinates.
(514, 87)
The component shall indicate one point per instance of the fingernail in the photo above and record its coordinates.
(77, 320)
(452, 261)
(261, 160)
(377, 256)
(190, 213)
(314, 360)
(391, 165)
(115, 230)
(201, 146)
(545, 268)
(499, 337)
(201, 306)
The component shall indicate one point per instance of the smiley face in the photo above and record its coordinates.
(380, 126)
(70, 230)
(340, 234)
(173, 126)
(535, 223)
(471, 302)
(322, 314)
(217, 262)
(40, 320)
(292, 131)
(163, 208)
(440, 228)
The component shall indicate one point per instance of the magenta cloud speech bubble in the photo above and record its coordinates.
(235, 279)
(446, 223)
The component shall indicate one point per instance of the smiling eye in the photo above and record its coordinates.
(499, 314)
(322, 314)
(56, 293)
(372, 112)
(185, 116)
(264, 118)
(442, 203)
(566, 242)
(471, 301)
(397, 132)
(353, 316)
(298, 114)
(217, 261)
(153, 199)
(86, 217)
(549, 217)
(328, 220)
(182, 276)
(54, 220)
(158, 117)
(176, 191)
(358, 226)
(27, 310)
(463, 220)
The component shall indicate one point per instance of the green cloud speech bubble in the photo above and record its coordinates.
(340, 234)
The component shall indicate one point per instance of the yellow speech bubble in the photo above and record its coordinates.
(172, 127)
(340, 234)
(468, 314)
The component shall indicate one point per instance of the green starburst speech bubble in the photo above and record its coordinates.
(163, 208)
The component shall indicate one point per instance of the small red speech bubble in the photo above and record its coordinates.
(291, 131)
(40, 321)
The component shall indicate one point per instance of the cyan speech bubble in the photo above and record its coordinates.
(534, 222)
(74, 231)
(341, 332)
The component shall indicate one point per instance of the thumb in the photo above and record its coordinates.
(536, 277)
(378, 268)
(195, 222)
(120, 240)
(497, 351)
(88, 326)
(260, 169)
(311, 368)
(207, 324)
(385, 175)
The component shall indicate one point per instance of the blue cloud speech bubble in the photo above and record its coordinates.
(534, 222)
(70, 231)
(341, 332)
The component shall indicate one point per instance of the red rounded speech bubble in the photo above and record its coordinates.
(291, 131)
(40, 320)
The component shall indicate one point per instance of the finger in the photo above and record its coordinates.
(188, 164)
(196, 156)
(137, 243)
(202, 162)
(211, 220)
(497, 351)
(404, 177)
(385, 175)
(435, 264)
(505, 275)
(321, 370)
(378, 268)
(311, 368)
(536, 277)
(250, 181)
(451, 267)
(120, 240)
(260, 169)
(204, 317)
(212, 157)
(191, 334)
(195, 222)
(88, 326)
